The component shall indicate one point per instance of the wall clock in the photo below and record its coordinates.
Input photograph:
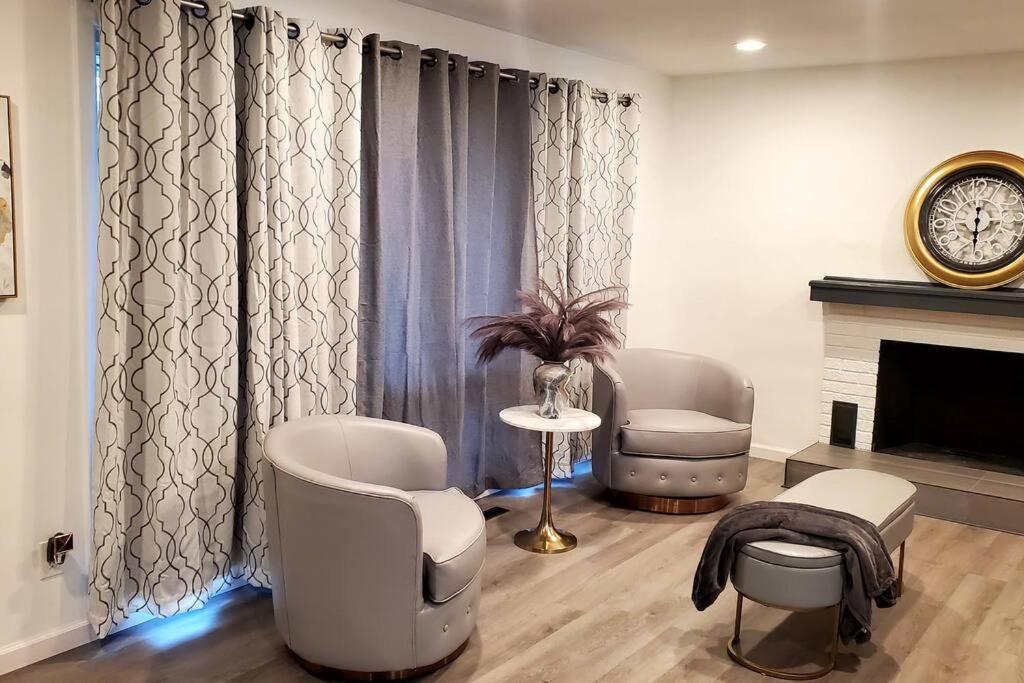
(965, 222)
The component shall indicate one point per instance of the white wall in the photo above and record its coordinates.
(781, 177)
(46, 334)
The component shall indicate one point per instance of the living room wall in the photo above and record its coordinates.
(46, 333)
(780, 177)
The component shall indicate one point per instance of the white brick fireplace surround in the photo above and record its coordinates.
(852, 337)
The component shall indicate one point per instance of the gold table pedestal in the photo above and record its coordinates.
(545, 538)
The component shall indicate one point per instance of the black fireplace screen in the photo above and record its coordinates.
(938, 402)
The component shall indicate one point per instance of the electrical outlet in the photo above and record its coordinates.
(57, 548)
(42, 566)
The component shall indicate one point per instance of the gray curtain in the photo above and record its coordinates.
(446, 234)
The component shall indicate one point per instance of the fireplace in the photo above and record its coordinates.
(925, 383)
(944, 403)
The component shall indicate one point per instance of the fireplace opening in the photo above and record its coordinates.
(942, 402)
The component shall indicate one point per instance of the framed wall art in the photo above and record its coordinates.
(8, 270)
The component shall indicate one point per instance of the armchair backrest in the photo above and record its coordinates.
(658, 378)
(360, 449)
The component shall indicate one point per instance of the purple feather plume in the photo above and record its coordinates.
(552, 327)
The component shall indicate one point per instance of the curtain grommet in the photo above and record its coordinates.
(480, 73)
(627, 100)
(202, 11)
(250, 20)
(432, 62)
(342, 42)
(553, 87)
(603, 98)
(293, 30)
(398, 54)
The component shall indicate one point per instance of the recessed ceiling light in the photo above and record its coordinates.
(750, 45)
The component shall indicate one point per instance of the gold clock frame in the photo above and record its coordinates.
(915, 243)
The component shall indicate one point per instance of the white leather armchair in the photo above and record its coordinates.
(375, 565)
(675, 430)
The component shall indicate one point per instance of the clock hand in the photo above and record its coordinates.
(977, 223)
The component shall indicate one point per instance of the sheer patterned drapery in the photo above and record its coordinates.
(227, 285)
(583, 181)
(299, 102)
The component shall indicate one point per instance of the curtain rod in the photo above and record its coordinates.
(200, 9)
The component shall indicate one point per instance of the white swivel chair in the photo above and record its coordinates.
(675, 430)
(375, 565)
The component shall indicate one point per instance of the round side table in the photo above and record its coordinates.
(546, 538)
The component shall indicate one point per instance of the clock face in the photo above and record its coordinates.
(973, 220)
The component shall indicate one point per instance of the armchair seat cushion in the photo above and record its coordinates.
(454, 541)
(683, 434)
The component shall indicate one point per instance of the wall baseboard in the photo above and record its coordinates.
(769, 452)
(25, 652)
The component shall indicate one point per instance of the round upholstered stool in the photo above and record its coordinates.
(802, 578)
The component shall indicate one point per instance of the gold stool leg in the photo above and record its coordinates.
(736, 654)
(899, 575)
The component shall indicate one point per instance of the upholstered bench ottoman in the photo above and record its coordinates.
(804, 578)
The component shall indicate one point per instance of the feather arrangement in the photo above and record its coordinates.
(552, 327)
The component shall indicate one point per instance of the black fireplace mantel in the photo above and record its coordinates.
(925, 296)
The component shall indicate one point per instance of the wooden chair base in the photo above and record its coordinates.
(401, 675)
(671, 506)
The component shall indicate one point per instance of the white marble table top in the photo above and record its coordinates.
(571, 419)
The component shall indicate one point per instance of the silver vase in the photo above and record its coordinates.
(551, 386)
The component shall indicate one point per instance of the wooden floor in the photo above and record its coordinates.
(618, 609)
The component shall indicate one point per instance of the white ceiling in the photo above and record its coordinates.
(678, 37)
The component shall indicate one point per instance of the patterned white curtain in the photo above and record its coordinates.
(298, 168)
(584, 155)
(227, 277)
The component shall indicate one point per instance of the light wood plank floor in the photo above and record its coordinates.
(618, 609)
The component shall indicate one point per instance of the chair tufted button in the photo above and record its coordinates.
(719, 477)
(632, 473)
(467, 610)
(445, 629)
(663, 477)
(693, 479)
